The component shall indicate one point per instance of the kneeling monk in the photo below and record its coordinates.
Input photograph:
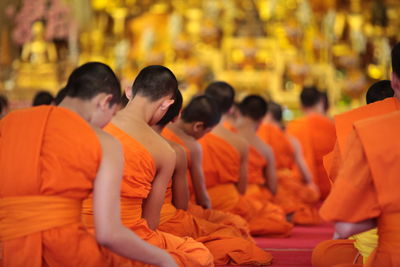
(225, 162)
(224, 242)
(65, 156)
(149, 164)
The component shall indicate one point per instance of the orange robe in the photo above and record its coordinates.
(212, 215)
(223, 241)
(138, 175)
(49, 158)
(316, 134)
(365, 185)
(221, 164)
(333, 161)
(344, 126)
(292, 194)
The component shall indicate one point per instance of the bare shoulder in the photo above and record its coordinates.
(193, 145)
(179, 150)
(159, 148)
(262, 147)
(108, 143)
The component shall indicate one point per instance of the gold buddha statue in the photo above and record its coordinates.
(37, 68)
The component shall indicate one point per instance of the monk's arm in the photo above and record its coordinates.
(151, 207)
(241, 185)
(110, 231)
(180, 189)
(270, 170)
(197, 174)
(346, 229)
(301, 163)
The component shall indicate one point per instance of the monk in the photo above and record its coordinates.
(363, 196)
(225, 159)
(297, 194)
(224, 242)
(65, 156)
(364, 243)
(360, 245)
(198, 118)
(149, 164)
(316, 134)
(262, 179)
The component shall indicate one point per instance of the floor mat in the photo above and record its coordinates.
(296, 250)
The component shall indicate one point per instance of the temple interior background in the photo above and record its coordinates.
(268, 47)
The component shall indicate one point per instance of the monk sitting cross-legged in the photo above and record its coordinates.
(149, 164)
(225, 159)
(362, 196)
(65, 156)
(380, 101)
(262, 180)
(316, 134)
(197, 119)
(297, 194)
(224, 242)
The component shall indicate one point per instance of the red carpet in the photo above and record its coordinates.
(295, 251)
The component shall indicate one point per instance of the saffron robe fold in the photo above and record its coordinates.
(211, 215)
(316, 134)
(47, 167)
(223, 241)
(344, 125)
(292, 194)
(221, 164)
(364, 187)
(138, 175)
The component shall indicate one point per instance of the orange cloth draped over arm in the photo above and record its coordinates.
(47, 169)
(369, 174)
(221, 169)
(138, 175)
(316, 134)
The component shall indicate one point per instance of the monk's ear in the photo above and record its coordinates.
(165, 104)
(198, 126)
(128, 93)
(104, 101)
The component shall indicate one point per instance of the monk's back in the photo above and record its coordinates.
(67, 161)
(55, 155)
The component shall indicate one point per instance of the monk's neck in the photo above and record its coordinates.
(246, 125)
(180, 128)
(312, 110)
(220, 126)
(138, 110)
(82, 108)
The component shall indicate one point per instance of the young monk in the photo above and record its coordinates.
(198, 118)
(297, 194)
(65, 157)
(224, 242)
(362, 196)
(262, 179)
(316, 134)
(149, 164)
(225, 159)
(358, 246)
